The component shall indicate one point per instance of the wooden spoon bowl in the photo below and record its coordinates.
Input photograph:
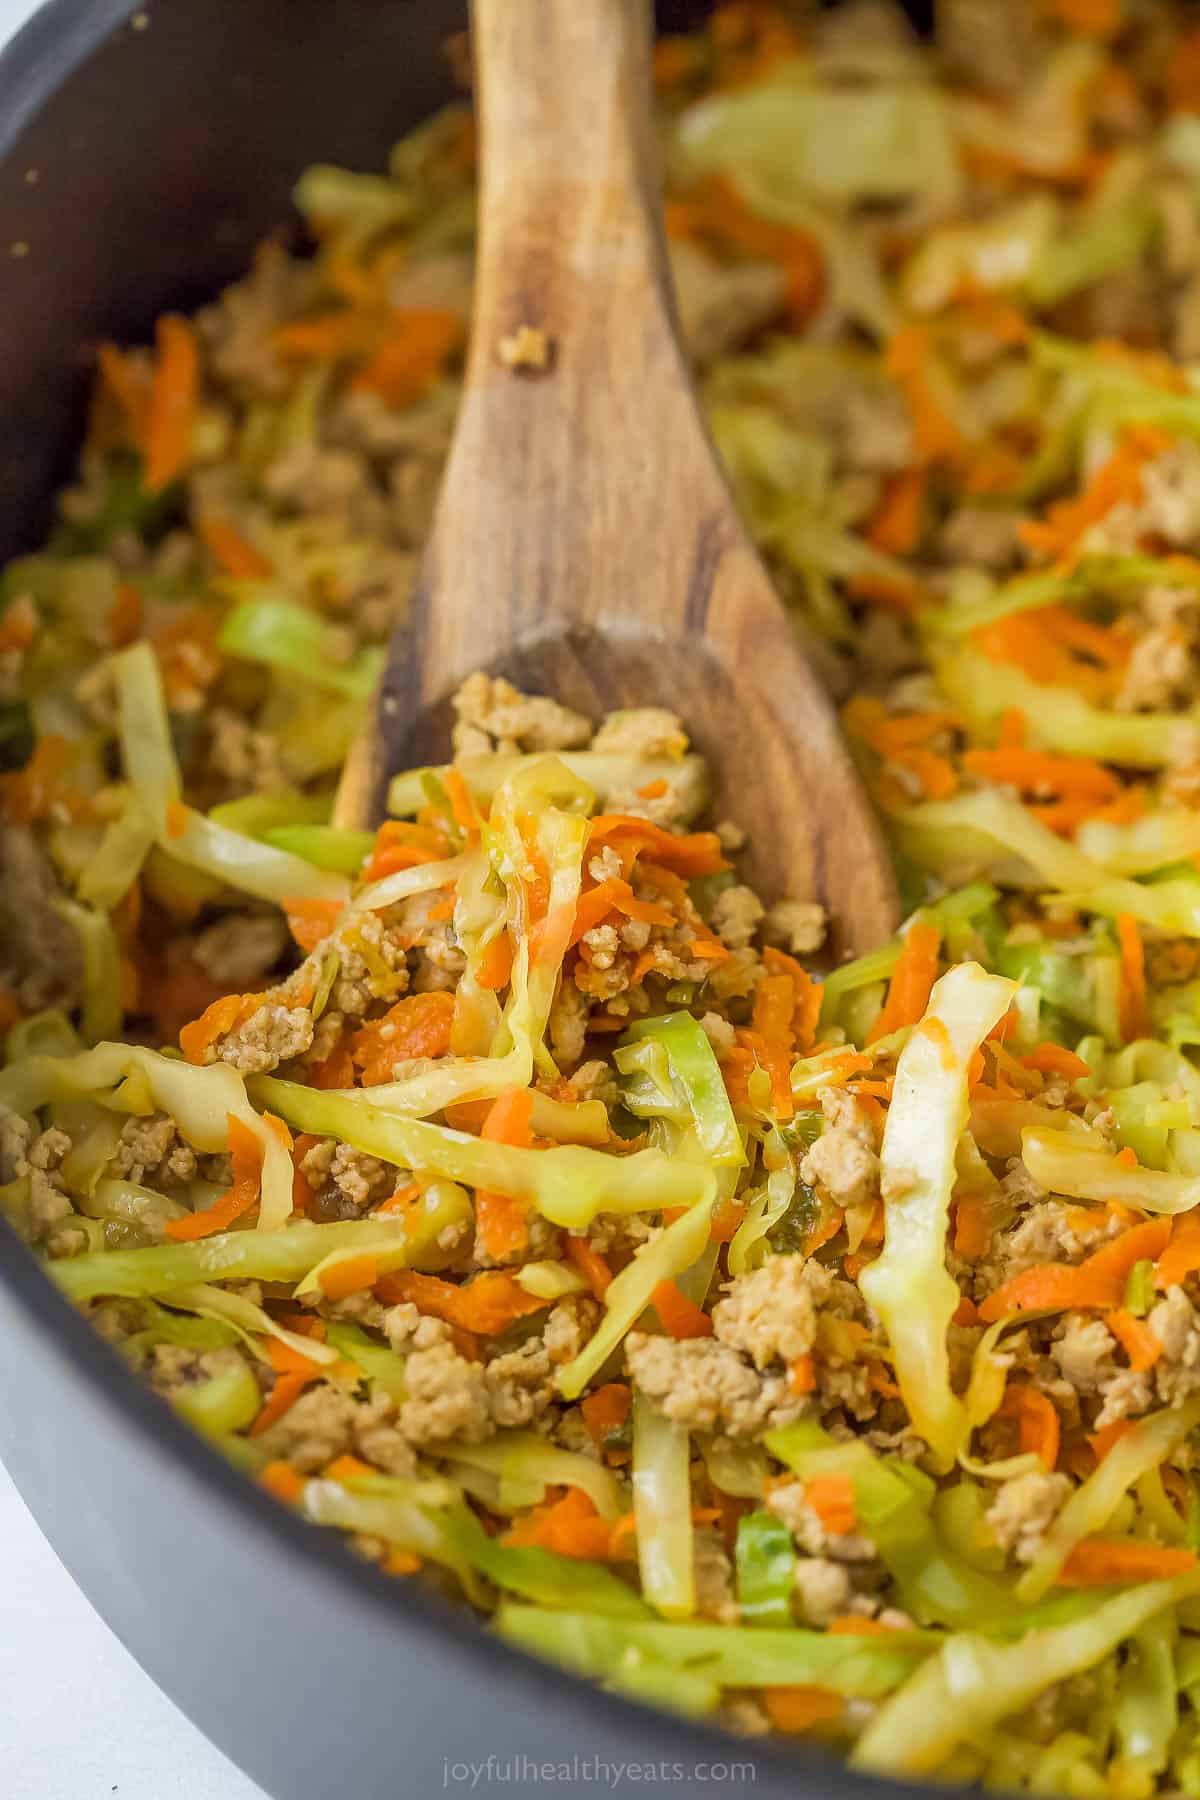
(585, 543)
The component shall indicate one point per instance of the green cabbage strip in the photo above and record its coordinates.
(731, 1655)
(1092, 1504)
(935, 1585)
(894, 141)
(765, 1559)
(1050, 586)
(973, 1684)
(114, 868)
(1147, 1709)
(285, 1255)
(221, 1405)
(1059, 718)
(689, 1088)
(543, 789)
(630, 1292)
(606, 773)
(568, 1184)
(1062, 1164)
(528, 1461)
(199, 1100)
(324, 846)
(263, 628)
(417, 1517)
(413, 1515)
(1114, 237)
(381, 1367)
(101, 1013)
(182, 832)
(999, 253)
(990, 816)
(1169, 835)
(250, 1321)
(908, 1284)
(662, 1506)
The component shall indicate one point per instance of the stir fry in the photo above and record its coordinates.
(813, 1346)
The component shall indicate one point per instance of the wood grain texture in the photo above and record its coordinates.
(585, 543)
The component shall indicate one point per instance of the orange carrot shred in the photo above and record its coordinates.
(802, 1375)
(1103, 1562)
(679, 1316)
(590, 1264)
(797, 1709)
(173, 400)
(911, 983)
(1037, 1419)
(832, 1499)
(501, 1222)
(282, 1480)
(350, 1276)
(1135, 1338)
(605, 1410)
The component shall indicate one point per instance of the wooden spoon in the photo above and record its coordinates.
(585, 544)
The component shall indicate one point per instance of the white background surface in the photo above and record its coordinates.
(78, 1719)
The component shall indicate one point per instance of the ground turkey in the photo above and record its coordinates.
(769, 1313)
(706, 1385)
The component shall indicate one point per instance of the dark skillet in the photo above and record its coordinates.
(162, 155)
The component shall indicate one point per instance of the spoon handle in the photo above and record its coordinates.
(573, 490)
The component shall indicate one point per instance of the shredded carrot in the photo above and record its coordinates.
(684, 854)
(1135, 1017)
(727, 1217)
(802, 1374)
(716, 213)
(798, 1709)
(419, 343)
(282, 1480)
(605, 1410)
(832, 1499)
(1052, 1059)
(1181, 1257)
(1035, 771)
(911, 362)
(1183, 72)
(495, 964)
(1135, 1338)
(911, 983)
(1091, 18)
(346, 1468)
(125, 619)
(569, 1527)
(679, 1316)
(1037, 1419)
(972, 1226)
(216, 1021)
(417, 1026)
(122, 376)
(589, 1263)
(247, 1154)
(174, 394)
(1103, 1562)
(966, 1312)
(283, 1396)
(236, 556)
(41, 789)
(1102, 1441)
(352, 1276)
(462, 805)
(1097, 1283)
(501, 1223)
(895, 526)
(311, 921)
(1118, 481)
(488, 1304)
(857, 1625)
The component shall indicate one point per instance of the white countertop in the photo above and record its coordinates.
(78, 1718)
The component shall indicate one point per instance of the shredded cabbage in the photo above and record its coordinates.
(973, 1684)
(662, 1502)
(908, 1284)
